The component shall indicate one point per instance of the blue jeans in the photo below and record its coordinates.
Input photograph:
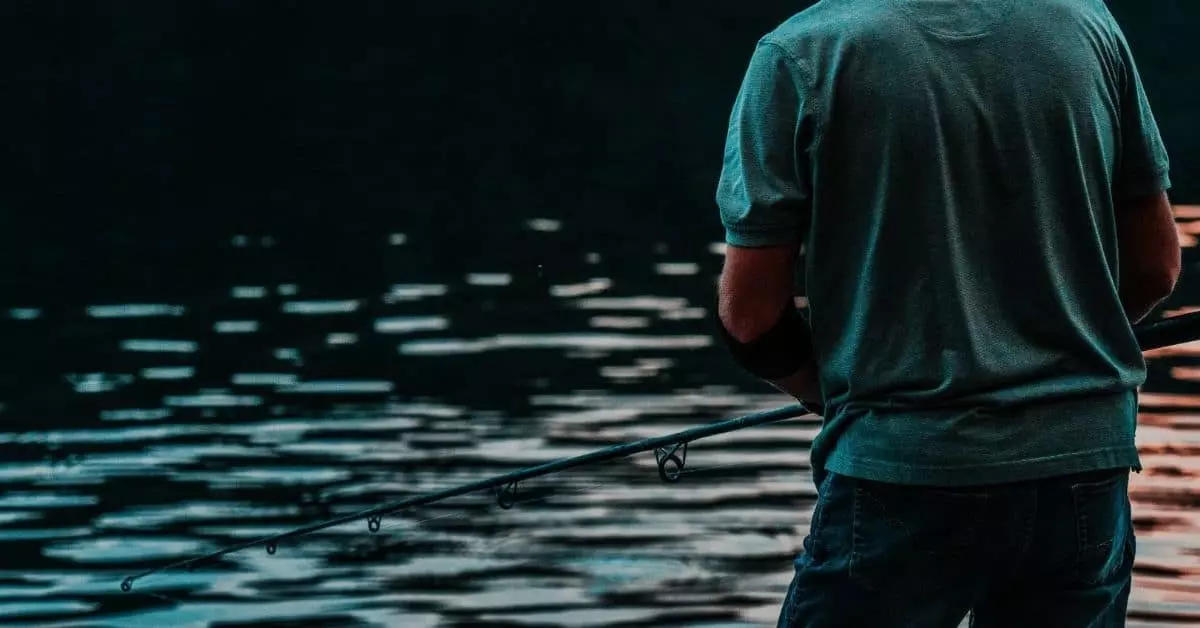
(1056, 552)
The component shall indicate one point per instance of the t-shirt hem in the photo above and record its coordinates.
(1158, 181)
(993, 473)
(748, 240)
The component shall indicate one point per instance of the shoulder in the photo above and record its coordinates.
(830, 33)
(828, 23)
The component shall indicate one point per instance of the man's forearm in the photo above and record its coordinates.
(759, 322)
(776, 341)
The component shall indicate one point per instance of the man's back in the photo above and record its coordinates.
(965, 175)
(963, 160)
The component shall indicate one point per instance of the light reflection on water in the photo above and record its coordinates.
(283, 407)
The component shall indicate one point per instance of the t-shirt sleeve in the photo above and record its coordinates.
(1142, 165)
(764, 189)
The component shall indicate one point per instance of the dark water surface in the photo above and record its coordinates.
(178, 427)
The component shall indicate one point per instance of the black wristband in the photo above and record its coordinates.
(779, 352)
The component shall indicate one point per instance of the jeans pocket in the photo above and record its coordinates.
(1103, 526)
(914, 534)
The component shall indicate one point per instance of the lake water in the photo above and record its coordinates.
(169, 428)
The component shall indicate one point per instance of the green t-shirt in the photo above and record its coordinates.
(951, 169)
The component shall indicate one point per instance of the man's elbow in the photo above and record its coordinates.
(1142, 292)
(1161, 283)
(1149, 248)
(1161, 277)
(747, 321)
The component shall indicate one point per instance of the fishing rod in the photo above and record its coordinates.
(670, 454)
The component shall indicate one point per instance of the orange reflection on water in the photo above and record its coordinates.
(1187, 211)
(1186, 373)
(1180, 311)
(1166, 512)
(1187, 350)
(1165, 495)
(1167, 400)
(1177, 420)
(1186, 240)
(1188, 229)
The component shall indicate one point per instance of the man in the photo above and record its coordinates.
(979, 190)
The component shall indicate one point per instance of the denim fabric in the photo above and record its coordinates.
(1055, 552)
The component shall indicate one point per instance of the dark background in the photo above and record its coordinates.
(139, 138)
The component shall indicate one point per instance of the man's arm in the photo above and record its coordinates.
(764, 200)
(1149, 255)
(1147, 238)
(755, 291)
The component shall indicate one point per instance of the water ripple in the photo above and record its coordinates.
(259, 411)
